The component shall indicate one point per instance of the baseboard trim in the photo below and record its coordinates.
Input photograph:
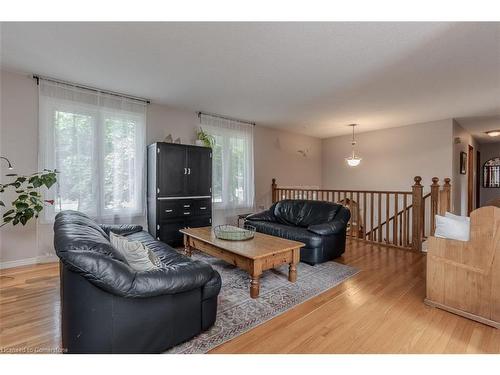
(465, 314)
(28, 261)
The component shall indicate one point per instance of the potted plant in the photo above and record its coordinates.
(204, 139)
(29, 202)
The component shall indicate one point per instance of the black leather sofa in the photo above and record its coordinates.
(106, 307)
(321, 226)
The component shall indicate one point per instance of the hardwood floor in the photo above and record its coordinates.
(380, 310)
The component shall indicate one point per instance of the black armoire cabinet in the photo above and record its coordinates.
(179, 189)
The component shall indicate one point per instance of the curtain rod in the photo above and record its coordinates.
(90, 88)
(225, 118)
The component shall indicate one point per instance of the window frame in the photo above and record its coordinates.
(98, 116)
(227, 136)
(483, 172)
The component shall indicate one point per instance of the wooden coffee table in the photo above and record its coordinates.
(261, 253)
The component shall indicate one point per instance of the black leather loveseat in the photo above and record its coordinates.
(321, 226)
(106, 307)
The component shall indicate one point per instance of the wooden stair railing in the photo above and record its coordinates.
(394, 218)
(400, 213)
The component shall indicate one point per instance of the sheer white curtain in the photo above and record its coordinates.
(233, 168)
(97, 143)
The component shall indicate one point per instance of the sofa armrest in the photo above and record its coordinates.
(118, 278)
(121, 229)
(336, 226)
(262, 216)
(212, 287)
(327, 229)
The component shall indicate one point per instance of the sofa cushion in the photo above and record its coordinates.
(303, 213)
(138, 256)
(311, 240)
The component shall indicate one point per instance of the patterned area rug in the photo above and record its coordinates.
(238, 313)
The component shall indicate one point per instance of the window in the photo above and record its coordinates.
(97, 144)
(491, 173)
(233, 175)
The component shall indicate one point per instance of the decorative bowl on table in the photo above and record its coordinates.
(232, 233)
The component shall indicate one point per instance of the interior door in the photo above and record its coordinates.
(172, 170)
(470, 180)
(199, 175)
(478, 178)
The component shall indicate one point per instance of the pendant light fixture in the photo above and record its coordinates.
(353, 160)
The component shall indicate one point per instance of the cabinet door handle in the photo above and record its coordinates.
(189, 170)
(187, 213)
(185, 170)
(168, 211)
(203, 208)
(187, 206)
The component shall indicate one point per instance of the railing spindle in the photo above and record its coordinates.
(387, 224)
(405, 221)
(395, 221)
(379, 217)
(371, 216)
(364, 215)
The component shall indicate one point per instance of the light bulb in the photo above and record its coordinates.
(493, 133)
(353, 161)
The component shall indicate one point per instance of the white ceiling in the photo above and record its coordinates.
(312, 78)
(478, 126)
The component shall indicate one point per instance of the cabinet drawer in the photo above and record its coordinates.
(168, 209)
(203, 207)
(186, 207)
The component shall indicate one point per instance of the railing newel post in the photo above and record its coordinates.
(445, 197)
(417, 217)
(273, 191)
(434, 204)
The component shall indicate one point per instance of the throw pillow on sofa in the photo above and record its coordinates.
(138, 256)
(451, 228)
(457, 217)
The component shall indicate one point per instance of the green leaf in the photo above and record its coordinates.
(34, 193)
(2, 204)
(7, 219)
(9, 213)
(38, 208)
(21, 205)
(23, 197)
(11, 174)
(29, 213)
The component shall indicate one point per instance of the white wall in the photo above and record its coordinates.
(460, 181)
(18, 139)
(275, 155)
(391, 157)
(488, 151)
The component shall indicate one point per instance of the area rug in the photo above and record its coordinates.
(238, 313)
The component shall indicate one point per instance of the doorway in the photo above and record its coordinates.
(470, 180)
(478, 179)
